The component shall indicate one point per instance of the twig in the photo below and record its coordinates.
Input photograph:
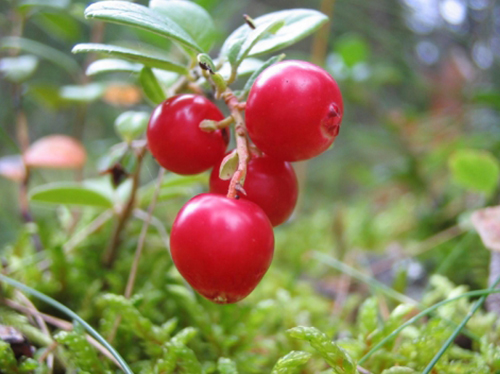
(110, 254)
(61, 324)
(241, 143)
(43, 326)
(138, 252)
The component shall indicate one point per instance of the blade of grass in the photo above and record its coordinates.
(423, 314)
(459, 328)
(70, 314)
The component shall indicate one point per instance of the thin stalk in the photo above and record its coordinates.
(459, 328)
(423, 313)
(112, 249)
(241, 143)
(138, 252)
(70, 314)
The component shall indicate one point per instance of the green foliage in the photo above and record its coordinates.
(82, 353)
(150, 86)
(70, 193)
(335, 356)
(475, 170)
(290, 363)
(131, 125)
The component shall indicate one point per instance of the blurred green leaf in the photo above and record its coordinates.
(18, 69)
(290, 363)
(299, 23)
(57, 4)
(399, 370)
(151, 87)
(82, 94)
(247, 67)
(8, 362)
(131, 55)
(70, 193)
(476, 170)
(206, 61)
(130, 14)
(489, 98)
(131, 125)
(82, 353)
(112, 65)
(352, 48)
(60, 26)
(191, 17)
(367, 320)
(335, 356)
(237, 55)
(226, 366)
(41, 50)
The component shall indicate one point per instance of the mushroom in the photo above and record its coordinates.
(487, 224)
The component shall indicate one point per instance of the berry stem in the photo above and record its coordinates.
(241, 143)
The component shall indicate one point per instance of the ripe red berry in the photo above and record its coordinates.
(269, 183)
(176, 140)
(294, 110)
(221, 246)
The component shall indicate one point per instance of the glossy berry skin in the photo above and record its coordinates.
(294, 110)
(269, 183)
(176, 140)
(221, 246)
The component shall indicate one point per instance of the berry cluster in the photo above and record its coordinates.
(223, 245)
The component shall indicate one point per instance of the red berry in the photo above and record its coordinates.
(294, 110)
(176, 140)
(270, 183)
(221, 246)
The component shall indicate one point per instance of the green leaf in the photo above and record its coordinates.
(82, 353)
(367, 319)
(186, 359)
(291, 362)
(113, 65)
(475, 170)
(131, 125)
(256, 73)
(399, 370)
(8, 362)
(488, 98)
(131, 55)
(254, 36)
(191, 17)
(82, 94)
(228, 166)
(60, 26)
(206, 61)
(18, 69)
(41, 50)
(299, 23)
(352, 48)
(151, 87)
(226, 366)
(70, 193)
(130, 14)
(57, 4)
(335, 356)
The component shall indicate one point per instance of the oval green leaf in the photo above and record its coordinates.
(130, 14)
(151, 87)
(113, 65)
(299, 23)
(194, 19)
(131, 55)
(475, 170)
(130, 125)
(71, 194)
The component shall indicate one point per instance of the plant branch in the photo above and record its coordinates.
(241, 143)
(111, 251)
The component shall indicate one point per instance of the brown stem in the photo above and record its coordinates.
(138, 252)
(111, 251)
(320, 41)
(241, 143)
